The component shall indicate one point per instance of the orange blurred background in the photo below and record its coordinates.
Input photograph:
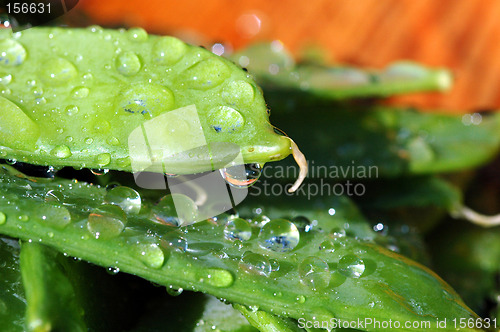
(463, 35)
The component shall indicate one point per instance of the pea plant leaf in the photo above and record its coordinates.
(314, 276)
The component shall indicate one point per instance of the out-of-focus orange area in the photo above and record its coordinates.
(463, 35)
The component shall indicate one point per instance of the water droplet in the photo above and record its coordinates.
(61, 151)
(16, 123)
(303, 223)
(150, 254)
(242, 177)
(314, 273)
(54, 196)
(102, 126)
(174, 291)
(275, 265)
(175, 210)
(99, 172)
(224, 119)
(238, 229)
(56, 216)
(12, 53)
(215, 277)
(23, 218)
(239, 93)
(103, 159)
(279, 235)
(203, 248)
(57, 71)
(168, 50)
(80, 92)
(137, 34)
(351, 266)
(327, 246)
(113, 141)
(89, 140)
(72, 110)
(106, 221)
(128, 63)
(174, 240)
(5, 78)
(301, 299)
(206, 74)
(126, 198)
(113, 270)
(147, 99)
(255, 264)
(3, 218)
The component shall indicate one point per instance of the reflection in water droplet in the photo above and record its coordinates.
(351, 266)
(224, 119)
(52, 215)
(128, 63)
(238, 229)
(61, 151)
(241, 177)
(168, 50)
(150, 254)
(182, 213)
(99, 172)
(12, 53)
(314, 273)
(255, 264)
(57, 71)
(303, 223)
(279, 235)
(106, 221)
(126, 198)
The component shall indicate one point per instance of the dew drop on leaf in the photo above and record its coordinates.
(150, 254)
(215, 277)
(279, 235)
(107, 221)
(351, 266)
(238, 229)
(314, 273)
(51, 215)
(303, 223)
(61, 151)
(255, 264)
(126, 198)
(3, 218)
(12, 53)
(128, 63)
(175, 210)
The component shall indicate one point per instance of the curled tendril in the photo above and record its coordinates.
(302, 162)
(474, 217)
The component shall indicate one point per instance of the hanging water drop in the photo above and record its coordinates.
(314, 273)
(238, 229)
(126, 198)
(174, 291)
(351, 266)
(279, 235)
(242, 176)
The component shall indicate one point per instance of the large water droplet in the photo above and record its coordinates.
(255, 264)
(351, 266)
(238, 229)
(216, 277)
(80, 92)
(224, 119)
(5, 78)
(61, 151)
(241, 177)
(175, 210)
(239, 93)
(279, 235)
(168, 50)
(148, 99)
(126, 198)
(314, 273)
(128, 63)
(137, 34)
(205, 74)
(14, 123)
(150, 254)
(3, 218)
(12, 53)
(57, 71)
(56, 216)
(107, 221)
